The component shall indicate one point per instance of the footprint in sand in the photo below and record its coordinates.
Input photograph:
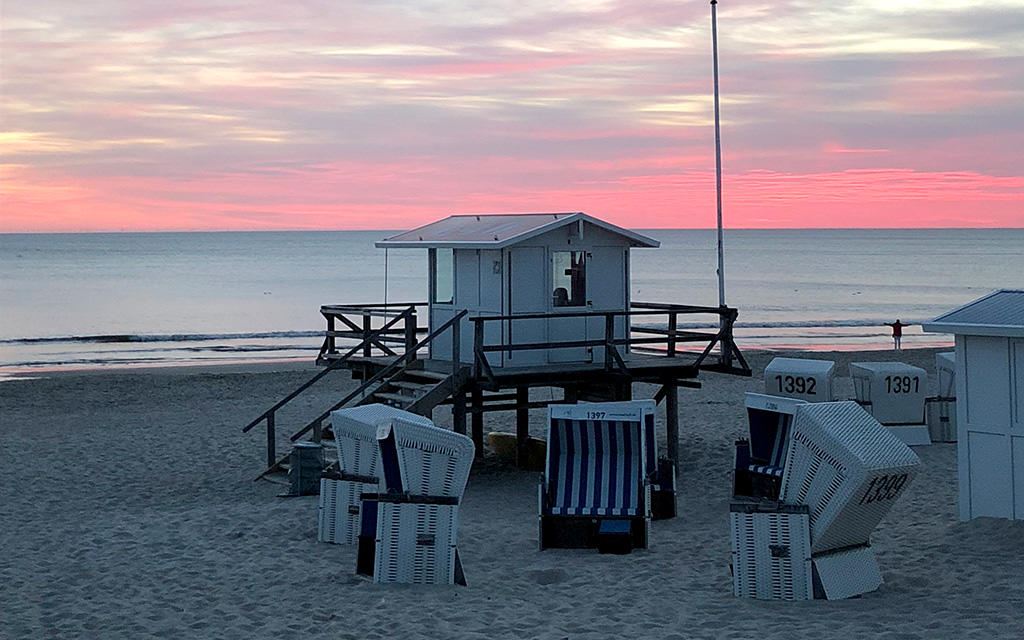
(549, 576)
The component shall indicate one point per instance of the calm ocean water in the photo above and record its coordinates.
(87, 300)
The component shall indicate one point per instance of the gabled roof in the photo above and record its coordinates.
(496, 231)
(1000, 313)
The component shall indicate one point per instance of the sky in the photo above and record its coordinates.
(132, 115)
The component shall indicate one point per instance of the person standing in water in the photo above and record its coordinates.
(897, 332)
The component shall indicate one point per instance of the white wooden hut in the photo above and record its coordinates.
(803, 378)
(989, 335)
(526, 264)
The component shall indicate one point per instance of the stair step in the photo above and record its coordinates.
(395, 397)
(406, 384)
(423, 373)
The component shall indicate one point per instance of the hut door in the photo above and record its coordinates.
(569, 295)
(528, 294)
(607, 293)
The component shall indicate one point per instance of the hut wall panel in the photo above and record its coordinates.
(991, 483)
(988, 384)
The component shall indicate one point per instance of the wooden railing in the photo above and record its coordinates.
(649, 338)
(408, 315)
(400, 361)
(355, 322)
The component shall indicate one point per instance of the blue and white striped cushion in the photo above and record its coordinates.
(597, 468)
(779, 448)
(766, 469)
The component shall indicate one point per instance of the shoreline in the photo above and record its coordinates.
(257, 365)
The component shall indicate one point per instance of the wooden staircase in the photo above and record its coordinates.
(411, 388)
(415, 390)
(405, 383)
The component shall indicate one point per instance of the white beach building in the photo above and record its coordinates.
(989, 336)
(541, 264)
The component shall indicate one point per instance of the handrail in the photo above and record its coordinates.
(386, 371)
(270, 414)
(341, 312)
(334, 365)
(378, 309)
(672, 336)
(595, 314)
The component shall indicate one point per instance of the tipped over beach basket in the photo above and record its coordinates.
(834, 459)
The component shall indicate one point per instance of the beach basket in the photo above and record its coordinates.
(771, 551)
(894, 393)
(306, 465)
(801, 378)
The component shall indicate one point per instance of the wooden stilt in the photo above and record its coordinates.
(478, 421)
(624, 391)
(459, 412)
(571, 394)
(522, 424)
(672, 420)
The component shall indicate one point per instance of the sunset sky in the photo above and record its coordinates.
(225, 115)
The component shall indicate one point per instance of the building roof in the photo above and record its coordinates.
(1000, 313)
(496, 231)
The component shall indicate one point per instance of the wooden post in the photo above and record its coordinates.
(410, 333)
(459, 412)
(456, 346)
(478, 346)
(726, 343)
(571, 394)
(624, 390)
(271, 441)
(366, 334)
(672, 420)
(672, 324)
(609, 335)
(522, 424)
(478, 421)
(331, 347)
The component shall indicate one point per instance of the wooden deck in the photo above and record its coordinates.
(381, 345)
(641, 368)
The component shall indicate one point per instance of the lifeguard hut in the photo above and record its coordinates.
(561, 266)
(989, 338)
(514, 302)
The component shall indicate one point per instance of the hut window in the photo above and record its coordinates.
(569, 278)
(444, 275)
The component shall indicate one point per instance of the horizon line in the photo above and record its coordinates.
(336, 230)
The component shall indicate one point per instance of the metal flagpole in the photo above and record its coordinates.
(718, 159)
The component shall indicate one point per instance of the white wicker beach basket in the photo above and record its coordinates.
(847, 468)
(771, 553)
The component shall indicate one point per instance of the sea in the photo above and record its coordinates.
(118, 300)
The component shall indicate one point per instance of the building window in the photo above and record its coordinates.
(444, 276)
(569, 278)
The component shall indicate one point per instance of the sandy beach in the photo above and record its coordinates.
(128, 510)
